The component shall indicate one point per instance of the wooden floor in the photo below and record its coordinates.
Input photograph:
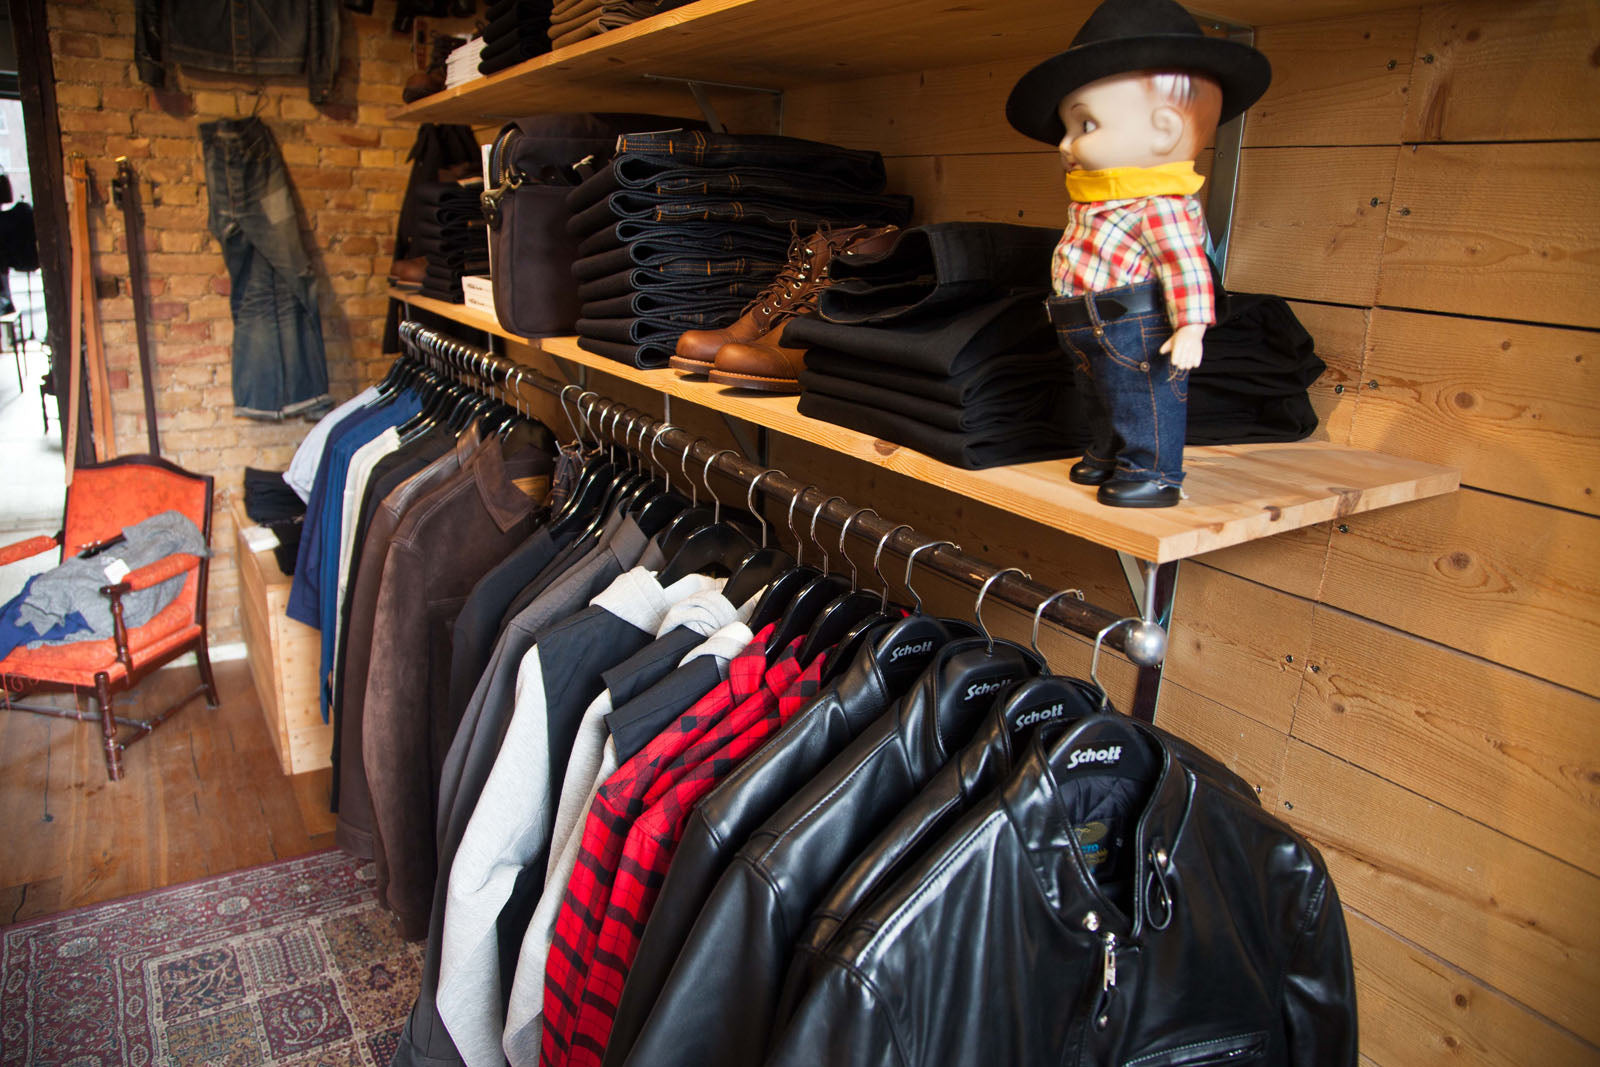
(202, 795)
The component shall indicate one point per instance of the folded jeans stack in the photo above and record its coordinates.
(940, 344)
(578, 20)
(516, 30)
(683, 228)
(452, 235)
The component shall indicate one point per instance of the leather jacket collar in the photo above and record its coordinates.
(1033, 801)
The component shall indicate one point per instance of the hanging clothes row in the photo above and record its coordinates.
(681, 797)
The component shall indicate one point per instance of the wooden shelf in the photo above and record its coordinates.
(776, 44)
(1236, 493)
(467, 316)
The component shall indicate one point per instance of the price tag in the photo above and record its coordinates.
(116, 570)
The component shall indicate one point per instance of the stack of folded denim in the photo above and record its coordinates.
(452, 235)
(577, 20)
(941, 344)
(682, 228)
(517, 30)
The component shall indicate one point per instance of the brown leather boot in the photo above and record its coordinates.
(763, 365)
(794, 291)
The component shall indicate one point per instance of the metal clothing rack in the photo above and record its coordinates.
(1142, 640)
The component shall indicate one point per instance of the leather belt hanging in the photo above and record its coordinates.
(85, 329)
(125, 194)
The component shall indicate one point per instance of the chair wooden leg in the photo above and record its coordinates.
(108, 726)
(202, 656)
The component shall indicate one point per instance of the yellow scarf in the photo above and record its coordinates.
(1129, 183)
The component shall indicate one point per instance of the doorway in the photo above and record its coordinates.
(32, 473)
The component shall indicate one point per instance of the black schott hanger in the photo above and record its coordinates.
(846, 610)
(808, 603)
(757, 570)
(720, 546)
(782, 589)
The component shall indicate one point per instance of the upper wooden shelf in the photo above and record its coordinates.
(779, 45)
(1236, 493)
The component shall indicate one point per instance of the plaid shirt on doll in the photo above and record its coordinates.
(654, 839)
(1112, 243)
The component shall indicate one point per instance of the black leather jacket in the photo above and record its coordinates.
(717, 1007)
(890, 661)
(1213, 934)
(986, 762)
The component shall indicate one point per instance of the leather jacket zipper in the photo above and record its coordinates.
(1108, 980)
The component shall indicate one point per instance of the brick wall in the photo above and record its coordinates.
(347, 162)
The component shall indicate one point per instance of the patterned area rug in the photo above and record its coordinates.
(289, 963)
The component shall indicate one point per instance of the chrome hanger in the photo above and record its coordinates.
(912, 558)
(977, 608)
(883, 594)
(1039, 614)
(814, 516)
(844, 528)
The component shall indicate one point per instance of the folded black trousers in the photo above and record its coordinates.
(996, 374)
(941, 346)
(976, 450)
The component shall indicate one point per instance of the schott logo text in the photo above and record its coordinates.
(1095, 755)
(980, 689)
(1054, 711)
(895, 655)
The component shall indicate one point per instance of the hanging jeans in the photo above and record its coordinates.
(279, 366)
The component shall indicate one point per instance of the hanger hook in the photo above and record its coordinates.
(977, 608)
(750, 503)
(572, 422)
(1094, 660)
(666, 475)
(1039, 614)
(912, 558)
(844, 527)
(814, 516)
(799, 542)
(705, 476)
(694, 492)
(883, 594)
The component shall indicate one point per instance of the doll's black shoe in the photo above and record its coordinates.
(1121, 493)
(1092, 471)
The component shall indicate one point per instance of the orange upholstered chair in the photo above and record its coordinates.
(102, 500)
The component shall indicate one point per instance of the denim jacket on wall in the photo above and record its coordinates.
(270, 37)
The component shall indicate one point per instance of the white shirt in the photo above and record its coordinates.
(302, 470)
(355, 487)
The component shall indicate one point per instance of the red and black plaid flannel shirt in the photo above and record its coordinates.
(1111, 243)
(618, 802)
(654, 838)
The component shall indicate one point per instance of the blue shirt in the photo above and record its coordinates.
(314, 592)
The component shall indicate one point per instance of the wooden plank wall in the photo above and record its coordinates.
(1416, 689)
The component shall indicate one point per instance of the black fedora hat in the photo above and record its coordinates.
(1122, 36)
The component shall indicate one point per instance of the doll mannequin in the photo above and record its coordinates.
(1130, 105)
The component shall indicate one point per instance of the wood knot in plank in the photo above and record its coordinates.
(1349, 500)
(884, 448)
(1274, 512)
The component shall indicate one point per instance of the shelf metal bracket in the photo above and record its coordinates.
(1224, 180)
(1154, 587)
(752, 448)
(697, 88)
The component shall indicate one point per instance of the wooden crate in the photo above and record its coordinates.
(284, 658)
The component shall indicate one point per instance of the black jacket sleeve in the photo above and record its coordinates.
(1319, 986)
